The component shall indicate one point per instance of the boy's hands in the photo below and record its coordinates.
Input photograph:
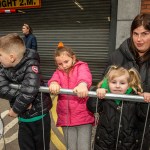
(146, 96)
(81, 90)
(12, 113)
(30, 106)
(101, 92)
(54, 88)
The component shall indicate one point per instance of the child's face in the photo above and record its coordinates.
(119, 85)
(5, 59)
(65, 62)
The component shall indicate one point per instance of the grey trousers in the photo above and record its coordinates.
(78, 137)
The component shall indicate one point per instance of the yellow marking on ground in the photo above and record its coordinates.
(53, 109)
(54, 113)
(55, 140)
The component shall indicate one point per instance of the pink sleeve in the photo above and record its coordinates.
(55, 77)
(84, 74)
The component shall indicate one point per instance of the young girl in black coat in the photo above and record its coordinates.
(116, 129)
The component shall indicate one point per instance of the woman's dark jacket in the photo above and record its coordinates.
(26, 74)
(125, 58)
(108, 125)
(30, 41)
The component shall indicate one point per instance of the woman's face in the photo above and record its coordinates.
(25, 30)
(141, 39)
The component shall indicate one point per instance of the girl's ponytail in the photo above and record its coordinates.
(60, 45)
(135, 80)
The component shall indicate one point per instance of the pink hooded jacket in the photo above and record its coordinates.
(71, 109)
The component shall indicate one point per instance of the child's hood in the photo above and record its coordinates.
(79, 63)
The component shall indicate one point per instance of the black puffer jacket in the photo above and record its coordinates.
(108, 125)
(124, 57)
(27, 74)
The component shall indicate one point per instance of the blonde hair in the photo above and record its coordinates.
(12, 43)
(134, 78)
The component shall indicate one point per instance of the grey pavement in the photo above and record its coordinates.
(9, 139)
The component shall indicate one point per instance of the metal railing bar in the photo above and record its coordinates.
(124, 97)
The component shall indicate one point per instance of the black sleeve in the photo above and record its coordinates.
(29, 89)
(7, 92)
(142, 110)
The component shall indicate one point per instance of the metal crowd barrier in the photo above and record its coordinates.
(124, 97)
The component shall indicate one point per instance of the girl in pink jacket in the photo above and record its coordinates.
(73, 115)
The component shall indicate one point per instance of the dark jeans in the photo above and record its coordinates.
(31, 135)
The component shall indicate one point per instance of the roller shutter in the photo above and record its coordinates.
(86, 31)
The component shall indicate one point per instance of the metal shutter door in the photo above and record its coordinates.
(85, 31)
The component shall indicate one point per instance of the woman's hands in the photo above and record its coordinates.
(146, 96)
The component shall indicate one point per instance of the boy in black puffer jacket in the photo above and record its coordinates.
(21, 66)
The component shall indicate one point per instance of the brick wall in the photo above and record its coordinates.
(145, 6)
